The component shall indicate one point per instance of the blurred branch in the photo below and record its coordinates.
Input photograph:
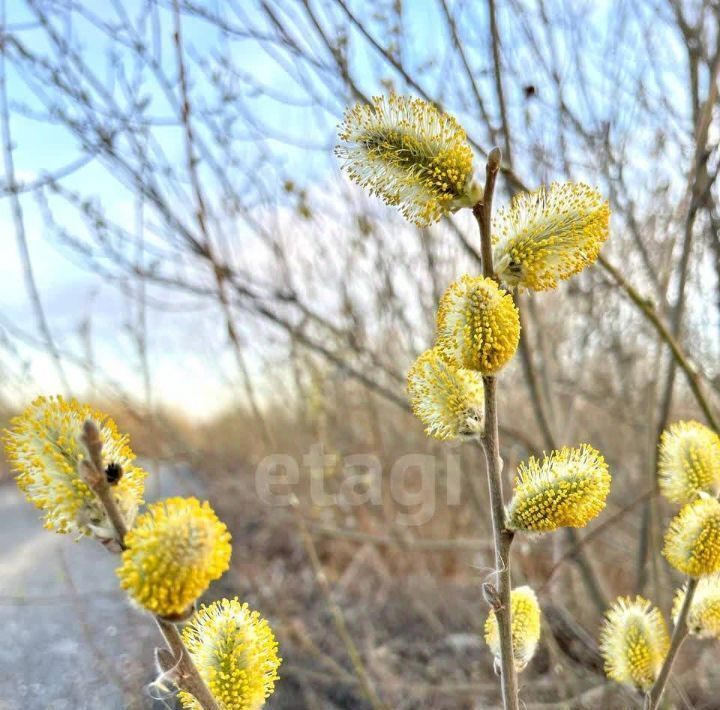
(648, 310)
(13, 191)
(609, 521)
(338, 618)
(202, 220)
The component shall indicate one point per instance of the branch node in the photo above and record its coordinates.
(492, 596)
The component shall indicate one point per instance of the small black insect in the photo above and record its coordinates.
(113, 473)
(529, 90)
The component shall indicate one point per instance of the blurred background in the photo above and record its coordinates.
(180, 248)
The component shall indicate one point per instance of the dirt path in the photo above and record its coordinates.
(70, 639)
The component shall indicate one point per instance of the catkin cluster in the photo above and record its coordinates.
(171, 552)
(478, 329)
(413, 156)
(634, 636)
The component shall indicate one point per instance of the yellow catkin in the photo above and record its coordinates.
(525, 615)
(689, 461)
(44, 445)
(704, 617)
(568, 488)
(236, 654)
(634, 641)
(176, 549)
(447, 400)
(549, 235)
(410, 154)
(692, 541)
(478, 325)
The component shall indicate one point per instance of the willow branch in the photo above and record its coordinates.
(184, 672)
(497, 73)
(502, 537)
(95, 477)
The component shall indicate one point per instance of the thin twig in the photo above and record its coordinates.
(679, 633)
(95, 477)
(497, 72)
(682, 360)
(343, 632)
(571, 551)
(490, 440)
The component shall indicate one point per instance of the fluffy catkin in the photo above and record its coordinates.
(692, 541)
(525, 614)
(236, 654)
(44, 445)
(410, 154)
(688, 462)
(704, 617)
(448, 400)
(176, 549)
(549, 235)
(634, 641)
(478, 325)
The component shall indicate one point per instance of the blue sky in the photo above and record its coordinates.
(186, 370)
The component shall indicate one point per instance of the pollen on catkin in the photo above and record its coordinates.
(44, 445)
(236, 654)
(448, 400)
(525, 616)
(176, 549)
(568, 488)
(478, 325)
(692, 541)
(410, 154)
(549, 235)
(704, 617)
(689, 461)
(634, 641)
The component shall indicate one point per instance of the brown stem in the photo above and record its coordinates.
(497, 73)
(94, 475)
(679, 633)
(483, 213)
(186, 675)
(502, 537)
